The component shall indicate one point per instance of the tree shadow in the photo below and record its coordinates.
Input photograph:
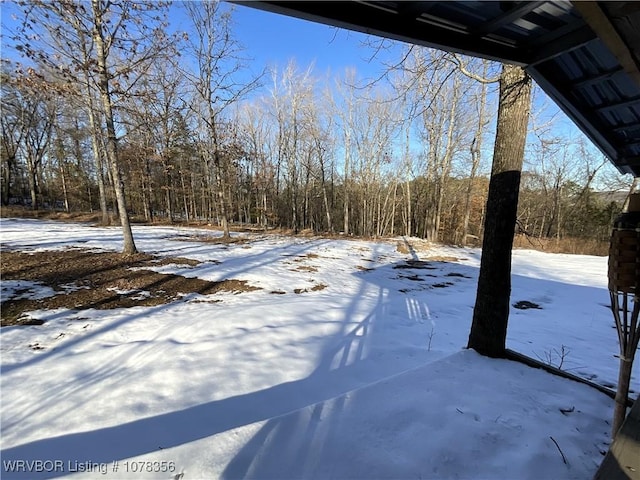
(304, 417)
(307, 443)
(348, 360)
(296, 445)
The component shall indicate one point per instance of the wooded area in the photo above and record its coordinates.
(106, 111)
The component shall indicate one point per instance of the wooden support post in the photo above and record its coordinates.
(624, 288)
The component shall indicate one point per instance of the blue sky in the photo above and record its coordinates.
(272, 38)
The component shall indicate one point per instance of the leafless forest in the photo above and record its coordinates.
(104, 110)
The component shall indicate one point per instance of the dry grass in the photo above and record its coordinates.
(304, 268)
(575, 246)
(15, 211)
(216, 240)
(412, 246)
(364, 269)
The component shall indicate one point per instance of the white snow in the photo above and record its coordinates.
(365, 378)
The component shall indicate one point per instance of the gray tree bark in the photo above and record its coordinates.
(129, 246)
(491, 311)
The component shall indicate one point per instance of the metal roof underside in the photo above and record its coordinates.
(584, 55)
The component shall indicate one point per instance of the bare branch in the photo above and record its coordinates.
(459, 62)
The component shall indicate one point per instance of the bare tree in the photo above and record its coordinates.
(256, 132)
(345, 109)
(36, 145)
(291, 94)
(112, 44)
(27, 123)
(321, 145)
(217, 86)
(156, 125)
(475, 149)
(374, 130)
(14, 129)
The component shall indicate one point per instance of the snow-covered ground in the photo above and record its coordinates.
(365, 378)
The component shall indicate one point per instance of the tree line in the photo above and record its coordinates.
(108, 111)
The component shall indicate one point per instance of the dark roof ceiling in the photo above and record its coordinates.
(584, 55)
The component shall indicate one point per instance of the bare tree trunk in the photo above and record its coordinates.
(33, 187)
(97, 156)
(185, 199)
(129, 246)
(37, 143)
(168, 193)
(325, 199)
(95, 137)
(409, 220)
(65, 192)
(491, 311)
(347, 166)
(264, 209)
(220, 183)
(307, 180)
(445, 165)
(168, 204)
(475, 149)
(407, 159)
(393, 208)
(6, 168)
(475, 160)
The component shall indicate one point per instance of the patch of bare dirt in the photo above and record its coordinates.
(442, 258)
(442, 285)
(304, 268)
(84, 279)
(180, 261)
(315, 288)
(412, 246)
(526, 305)
(457, 274)
(414, 265)
(415, 278)
(364, 269)
(215, 240)
(425, 264)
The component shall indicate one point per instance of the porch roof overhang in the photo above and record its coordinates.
(584, 55)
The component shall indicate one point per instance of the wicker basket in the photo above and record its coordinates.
(624, 250)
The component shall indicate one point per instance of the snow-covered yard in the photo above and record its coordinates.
(348, 362)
